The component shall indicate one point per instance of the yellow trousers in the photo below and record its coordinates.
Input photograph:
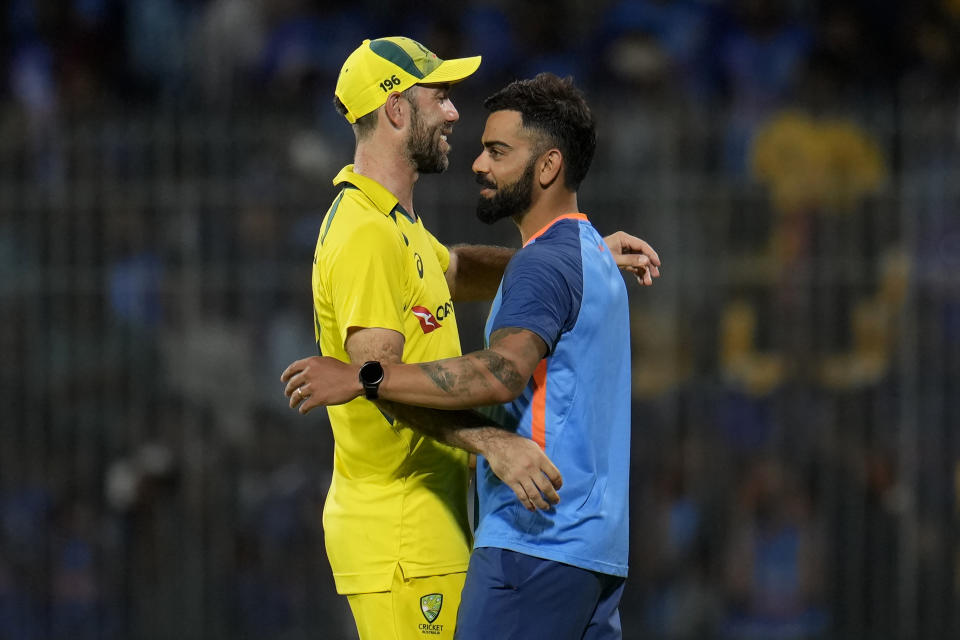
(414, 608)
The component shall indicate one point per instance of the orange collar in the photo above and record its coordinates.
(567, 216)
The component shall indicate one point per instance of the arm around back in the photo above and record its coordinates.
(494, 375)
(475, 271)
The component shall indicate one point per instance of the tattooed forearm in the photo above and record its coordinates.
(441, 376)
(476, 371)
(458, 378)
(467, 374)
(503, 370)
(499, 334)
(532, 346)
(493, 376)
(462, 429)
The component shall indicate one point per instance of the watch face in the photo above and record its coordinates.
(371, 373)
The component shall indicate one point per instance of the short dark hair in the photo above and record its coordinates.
(364, 125)
(558, 111)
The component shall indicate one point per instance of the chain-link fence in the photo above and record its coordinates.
(796, 371)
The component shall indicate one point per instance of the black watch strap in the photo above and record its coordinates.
(371, 375)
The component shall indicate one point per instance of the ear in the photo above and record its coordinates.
(395, 109)
(550, 164)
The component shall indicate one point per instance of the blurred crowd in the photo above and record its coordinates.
(164, 165)
(748, 55)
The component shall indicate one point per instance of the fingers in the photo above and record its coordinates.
(552, 473)
(539, 489)
(647, 263)
(529, 496)
(536, 500)
(302, 400)
(644, 277)
(298, 389)
(545, 492)
(298, 394)
(622, 242)
(548, 481)
(297, 386)
(293, 369)
(522, 496)
(644, 266)
(636, 256)
(318, 382)
(293, 384)
(646, 250)
(528, 471)
(633, 245)
(641, 267)
(308, 405)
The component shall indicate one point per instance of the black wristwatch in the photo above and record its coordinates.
(371, 375)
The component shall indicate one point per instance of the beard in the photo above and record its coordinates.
(510, 200)
(423, 145)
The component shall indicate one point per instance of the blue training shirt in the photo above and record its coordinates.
(565, 286)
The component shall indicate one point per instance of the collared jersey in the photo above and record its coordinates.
(396, 496)
(564, 286)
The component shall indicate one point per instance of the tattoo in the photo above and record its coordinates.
(449, 379)
(467, 429)
(499, 334)
(473, 370)
(442, 377)
(471, 374)
(462, 429)
(533, 347)
(503, 370)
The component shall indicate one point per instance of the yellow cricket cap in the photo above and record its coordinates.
(378, 67)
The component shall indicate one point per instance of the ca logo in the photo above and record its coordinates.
(419, 265)
(430, 606)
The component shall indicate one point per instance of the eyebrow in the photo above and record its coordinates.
(489, 144)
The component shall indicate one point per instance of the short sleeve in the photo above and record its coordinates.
(541, 292)
(443, 254)
(367, 278)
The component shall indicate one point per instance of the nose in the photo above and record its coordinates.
(476, 167)
(451, 111)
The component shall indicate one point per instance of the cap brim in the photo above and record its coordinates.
(451, 71)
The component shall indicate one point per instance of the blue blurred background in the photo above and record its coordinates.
(164, 167)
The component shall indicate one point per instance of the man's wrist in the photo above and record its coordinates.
(358, 386)
(487, 440)
(370, 375)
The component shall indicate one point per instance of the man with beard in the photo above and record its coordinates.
(395, 521)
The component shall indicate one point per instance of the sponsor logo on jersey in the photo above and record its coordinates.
(430, 606)
(427, 320)
(445, 310)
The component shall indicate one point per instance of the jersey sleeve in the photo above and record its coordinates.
(367, 279)
(443, 254)
(540, 292)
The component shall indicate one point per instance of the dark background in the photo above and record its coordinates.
(164, 167)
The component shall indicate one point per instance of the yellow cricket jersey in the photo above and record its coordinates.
(396, 496)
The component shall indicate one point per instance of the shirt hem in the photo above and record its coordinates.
(608, 568)
(352, 583)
